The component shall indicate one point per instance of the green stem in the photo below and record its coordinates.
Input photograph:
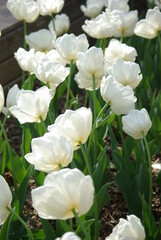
(71, 224)
(94, 105)
(60, 166)
(96, 217)
(94, 126)
(86, 99)
(22, 221)
(70, 91)
(52, 18)
(44, 125)
(150, 175)
(69, 82)
(122, 37)
(86, 159)
(86, 233)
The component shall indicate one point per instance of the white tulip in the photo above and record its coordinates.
(121, 98)
(23, 58)
(62, 24)
(49, 152)
(41, 40)
(69, 236)
(126, 22)
(11, 98)
(49, 72)
(137, 122)
(32, 106)
(69, 45)
(158, 3)
(92, 8)
(126, 73)
(90, 64)
(1, 97)
(5, 199)
(62, 192)
(85, 83)
(150, 26)
(117, 49)
(49, 7)
(130, 229)
(116, 5)
(27, 10)
(103, 26)
(75, 125)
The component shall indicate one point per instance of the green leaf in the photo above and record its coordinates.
(102, 197)
(22, 191)
(39, 235)
(48, 230)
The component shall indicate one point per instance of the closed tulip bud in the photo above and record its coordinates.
(75, 125)
(27, 10)
(137, 123)
(69, 236)
(23, 58)
(90, 64)
(126, 73)
(1, 97)
(50, 152)
(130, 229)
(62, 24)
(41, 40)
(117, 49)
(62, 192)
(32, 106)
(49, 7)
(121, 98)
(69, 45)
(5, 199)
(150, 26)
(92, 8)
(11, 98)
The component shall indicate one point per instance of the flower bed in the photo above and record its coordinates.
(86, 165)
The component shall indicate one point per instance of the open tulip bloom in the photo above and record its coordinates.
(62, 192)
(32, 106)
(151, 25)
(49, 7)
(69, 236)
(75, 125)
(50, 152)
(130, 229)
(92, 8)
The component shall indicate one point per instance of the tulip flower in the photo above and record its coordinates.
(103, 26)
(11, 98)
(90, 64)
(137, 123)
(75, 125)
(23, 58)
(50, 152)
(62, 24)
(1, 97)
(69, 45)
(126, 73)
(63, 192)
(116, 5)
(49, 71)
(121, 98)
(41, 40)
(27, 10)
(92, 8)
(49, 7)
(150, 26)
(126, 22)
(69, 236)
(130, 229)
(117, 49)
(32, 106)
(5, 199)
